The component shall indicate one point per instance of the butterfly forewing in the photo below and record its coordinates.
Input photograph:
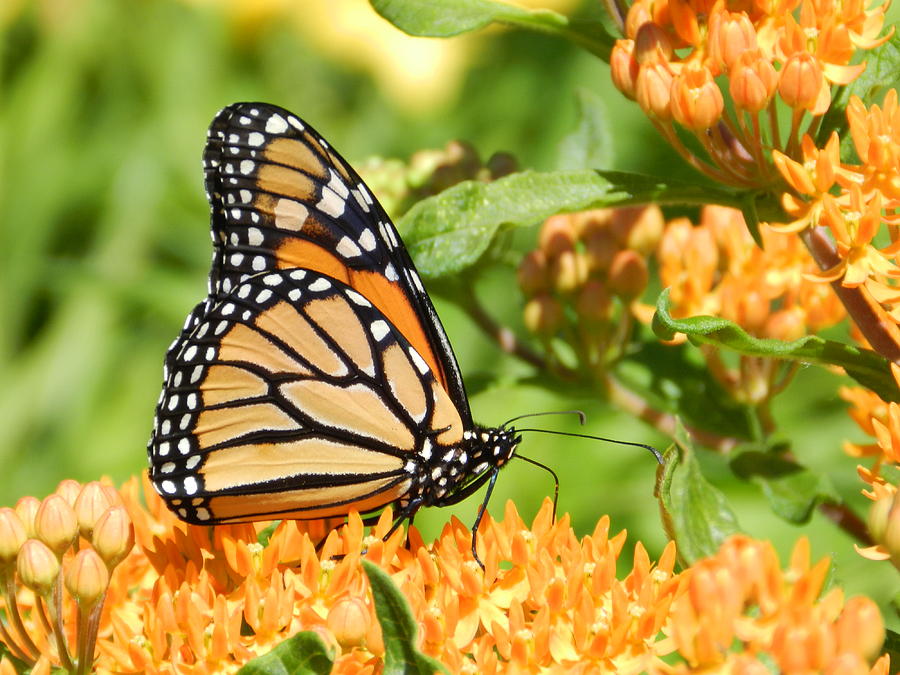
(295, 396)
(282, 198)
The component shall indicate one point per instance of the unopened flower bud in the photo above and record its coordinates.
(349, 620)
(568, 271)
(86, 577)
(69, 489)
(594, 302)
(879, 515)
(652, 45)
(624, 67)
(90, 505)
(557, 235)
(730, 35)
(860, 628)
(628, 274)
(752, 81)
(587, 222)
(653, 90)
(696, 100)
(501, 164)
(27, 507)
(532, 273)
(890, 537)
(37, 566)
(785, 325)
(543, 315)
(55, 523)
(600, 248)
(801, 80)
(638, 227)
(12, 535)
(638, 15)
(802, 647)
(113, 536)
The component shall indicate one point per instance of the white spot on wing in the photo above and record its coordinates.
(419, 361)
(357, 298)
(379, 329)
(276, 124)
(367, 240)
(347, 248)
(320, 285)
(290, 214)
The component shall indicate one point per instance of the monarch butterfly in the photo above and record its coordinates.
(316, 377)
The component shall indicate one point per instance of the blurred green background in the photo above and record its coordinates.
(104, 243)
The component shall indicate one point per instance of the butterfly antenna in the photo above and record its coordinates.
(552, 473)
(581, 416)
(598, 438)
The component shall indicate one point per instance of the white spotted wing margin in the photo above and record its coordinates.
(294, 396)
(274, 182)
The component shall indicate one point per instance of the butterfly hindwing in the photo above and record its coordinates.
(282, 198)
(296, 395)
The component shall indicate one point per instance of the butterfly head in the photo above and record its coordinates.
(457, 472)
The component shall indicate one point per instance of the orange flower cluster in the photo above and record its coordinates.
(742, 596)
(881, 421)
(793, 50)
(56, 558)
(198, 600)
(584, 279)
(853, 201)
(715, 268)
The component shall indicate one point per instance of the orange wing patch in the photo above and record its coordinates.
(309, 503)
(257, 463)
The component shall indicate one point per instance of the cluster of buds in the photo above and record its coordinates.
(715, 268)
(676, 53)
(56, 558)
(741, 611)
(399, 185)
(583, 281)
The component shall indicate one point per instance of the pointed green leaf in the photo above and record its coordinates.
(450, 231)
(302, 654)
(398, 628)
(696, 515)
(590, 145)
(863, 365)
(792, 490)
(427, 18)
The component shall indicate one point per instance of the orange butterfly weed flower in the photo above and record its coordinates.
(792, 50)
(197, 600)
(715, 268)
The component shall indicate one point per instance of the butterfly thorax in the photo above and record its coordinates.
(445, 475)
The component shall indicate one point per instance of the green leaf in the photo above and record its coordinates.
(863, 365)
(882, 73)
(427, 18)
(793, 491)
(398, 628)
(696, 515)
(301, 654)
(590, 145)
(449, 232)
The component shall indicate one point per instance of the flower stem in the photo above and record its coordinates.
(879, 330)
(12, 608)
